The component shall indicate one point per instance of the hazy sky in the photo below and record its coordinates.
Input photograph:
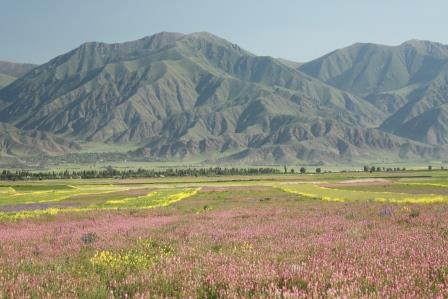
(37, 30)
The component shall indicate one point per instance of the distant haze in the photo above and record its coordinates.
(36, 31)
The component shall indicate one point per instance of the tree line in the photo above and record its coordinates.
(110, 172)
(390, 169)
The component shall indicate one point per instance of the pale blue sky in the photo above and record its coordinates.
(37, 30)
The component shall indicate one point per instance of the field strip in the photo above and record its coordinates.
(340, 195)
(82, 193)
(23, 198)
(341, 188)
(166, 201)
(313, 196)
(161, 202)
(423, 184)
(7, 190)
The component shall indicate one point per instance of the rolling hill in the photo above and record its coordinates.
(10, 71)
(184, 96)
(16, 142)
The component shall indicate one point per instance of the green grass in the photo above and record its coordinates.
(410, 188)
(343, 195)
(40, 187)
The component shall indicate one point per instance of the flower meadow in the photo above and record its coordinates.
(230, 242)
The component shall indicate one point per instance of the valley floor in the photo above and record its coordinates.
(330, 235)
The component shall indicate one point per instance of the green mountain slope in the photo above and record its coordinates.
(423, 117)
(366, 69)
(197, 95)
(407, 82)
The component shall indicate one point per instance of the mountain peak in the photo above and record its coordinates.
(158, 40)
(203, 34)
(165, 35)
(417, 42)
(208, 36)
(424, 45)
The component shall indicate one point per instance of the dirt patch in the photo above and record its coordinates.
(358, 182)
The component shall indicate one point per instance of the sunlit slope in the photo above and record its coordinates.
(6, 80)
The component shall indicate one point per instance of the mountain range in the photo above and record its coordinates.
(174, 96)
